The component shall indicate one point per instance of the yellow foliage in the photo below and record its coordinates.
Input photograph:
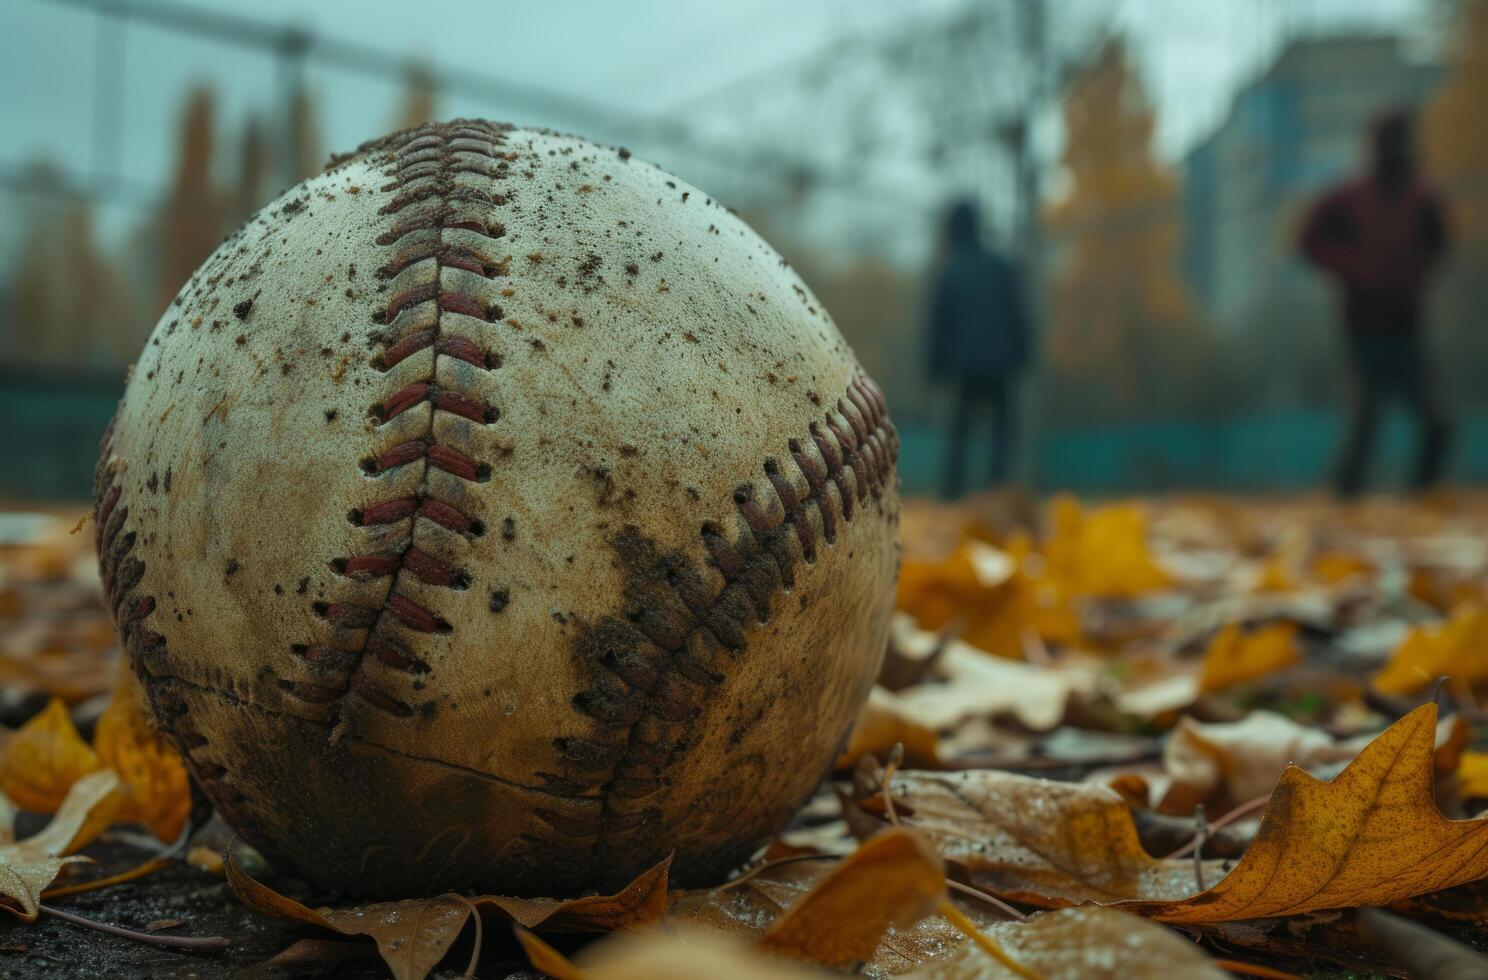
(153, 779)
(1457, 648)
(1102, 551)
(1235, 657)
(43, 759)
(1472, 774)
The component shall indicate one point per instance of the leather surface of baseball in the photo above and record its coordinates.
(495, 511)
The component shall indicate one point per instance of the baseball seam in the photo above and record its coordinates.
(442, 264)
(652, 672)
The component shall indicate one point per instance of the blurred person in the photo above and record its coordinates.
(979, 340)
(1380, 236)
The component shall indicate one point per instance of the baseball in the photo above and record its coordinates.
(497, 512)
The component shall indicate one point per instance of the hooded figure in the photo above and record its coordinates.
(979, 339)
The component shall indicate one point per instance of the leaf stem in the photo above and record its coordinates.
(148, 868)
(991, 900)
(987, 943)
(1228, 818)
(199, 944)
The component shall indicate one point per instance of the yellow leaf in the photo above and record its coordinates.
(1371, 836)
(43, 759)
(154, 783)
(1235, 657)
(880, 725)
(673, 954)
(1472, 774)
(1332, 568)
(892, 879)
(1103, 551)
(1457, 648)
(28, 867)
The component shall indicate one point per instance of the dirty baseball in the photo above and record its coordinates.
(497, 511)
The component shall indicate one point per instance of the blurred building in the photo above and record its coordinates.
(1289, 132)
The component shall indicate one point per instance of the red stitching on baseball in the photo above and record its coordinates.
(432, 204)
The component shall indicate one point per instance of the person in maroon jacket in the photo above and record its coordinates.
(1380, 237)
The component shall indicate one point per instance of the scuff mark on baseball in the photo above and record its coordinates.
(495, 511)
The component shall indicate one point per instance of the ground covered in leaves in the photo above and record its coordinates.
(1189, 736)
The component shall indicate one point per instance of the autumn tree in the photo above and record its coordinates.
(419, 96)
(191, 221)
(1456, 149)
(1121, 324)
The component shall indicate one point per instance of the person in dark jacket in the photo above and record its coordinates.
(1380, 237)
(979, 340)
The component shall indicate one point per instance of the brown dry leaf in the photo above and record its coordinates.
(1457, 648)
(880, 726)
(1079, 944)
(639, 903)
(1371, 836)
(676, 954)
(43, 759)
(154, 783)
(29, 866)
(1038, 841)
(415, 934)
(1236, 657)
(1226, 763)
(411, 936)
(892, 879)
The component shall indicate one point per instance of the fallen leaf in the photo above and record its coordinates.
(153, 779)
(880, 726)
(892, 879)
(415, 934)
(1371, 836)
(1457, 648)
(1038, 841)
(674, 954)
(43, 759)
(1079, 944)
(639, 903)
(27, 867)
(1224, 764)
(1102, 551)
(1472, 774)
(1236, 657)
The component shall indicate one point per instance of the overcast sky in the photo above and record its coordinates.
(641, 57)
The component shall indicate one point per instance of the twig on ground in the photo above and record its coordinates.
(1229, 818)
(991, 900)
(1201, 831)
(199, 944)
(769, 865)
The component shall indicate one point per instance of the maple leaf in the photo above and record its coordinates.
(1457, 647)
(43, 759)
(153, 780)
(1370, 836)
(413, 935)
(27, 867)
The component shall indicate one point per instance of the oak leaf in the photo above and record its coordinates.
(153, 779)
(27, 867)
(43, 759)
(1370, 836)
(413, 935)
